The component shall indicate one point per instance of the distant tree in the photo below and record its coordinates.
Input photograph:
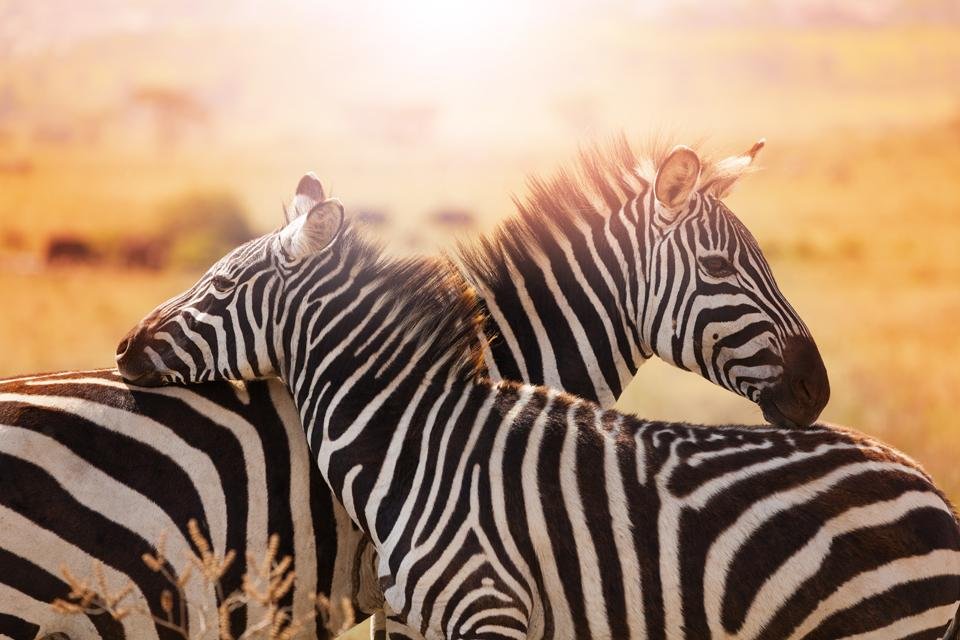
(13, 240)
(174, 111)
(143, 252)
(371, 218)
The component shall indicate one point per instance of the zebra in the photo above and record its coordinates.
(506, 510)
(92, 469)
(341, 557)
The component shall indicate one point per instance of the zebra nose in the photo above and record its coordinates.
(129, 350)
(133, 364)
(129, 344)
(805, 378)
(803, 390)
(802, 358)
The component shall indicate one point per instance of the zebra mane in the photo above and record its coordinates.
(603, 177)
(438, 308)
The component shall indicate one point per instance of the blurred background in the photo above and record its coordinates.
(140, 139)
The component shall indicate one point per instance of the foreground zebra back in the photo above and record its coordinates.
(653, 530)
(504, 511)
(93, 470)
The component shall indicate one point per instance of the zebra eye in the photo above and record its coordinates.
(717, 266)
(222, 283)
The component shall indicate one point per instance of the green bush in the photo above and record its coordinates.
(198, 228)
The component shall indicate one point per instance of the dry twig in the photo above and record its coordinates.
(266, 582)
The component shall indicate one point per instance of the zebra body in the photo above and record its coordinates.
(564, 521)
(504, 511)
(542, 333)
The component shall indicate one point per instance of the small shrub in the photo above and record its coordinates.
(200, 227)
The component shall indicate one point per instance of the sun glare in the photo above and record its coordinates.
(439, 34)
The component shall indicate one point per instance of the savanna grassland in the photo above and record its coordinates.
(856, 203)
(863, 234)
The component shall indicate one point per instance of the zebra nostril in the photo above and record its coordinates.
(123, 346)
(802, 389)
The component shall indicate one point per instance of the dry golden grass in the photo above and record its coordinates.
(265, 584)
(72, 317)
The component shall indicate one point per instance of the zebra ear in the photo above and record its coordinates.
(677, 177)
(314, 232)
(730, 170)
(309, 194)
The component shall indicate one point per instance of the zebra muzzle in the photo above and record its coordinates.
(133, 362)
(803, 390)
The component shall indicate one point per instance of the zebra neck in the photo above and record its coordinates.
(361, 363)
(364, 428)
(563, 313)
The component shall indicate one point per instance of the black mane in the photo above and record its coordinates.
(602, 178)
(438, 306)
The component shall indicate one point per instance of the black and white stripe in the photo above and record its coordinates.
(95, 470)
(505, 511)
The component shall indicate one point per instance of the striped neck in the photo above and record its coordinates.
(364, 339)
(563, 284)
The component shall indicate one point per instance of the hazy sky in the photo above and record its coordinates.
(26, 25)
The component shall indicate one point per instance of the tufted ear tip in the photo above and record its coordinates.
(308, 195)
(730, 170)
(310, 186)
(682, 150)
(683, 158)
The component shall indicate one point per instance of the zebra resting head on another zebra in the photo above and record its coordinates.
(501, 510)
(594, 275)
(750, 339)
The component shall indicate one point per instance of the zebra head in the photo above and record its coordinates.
(227, 326)
(712, 305)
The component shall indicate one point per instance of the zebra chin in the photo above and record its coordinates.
(141, 372)
(150, 379)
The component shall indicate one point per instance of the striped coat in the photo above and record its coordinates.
(506, 511)
(92, 469)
